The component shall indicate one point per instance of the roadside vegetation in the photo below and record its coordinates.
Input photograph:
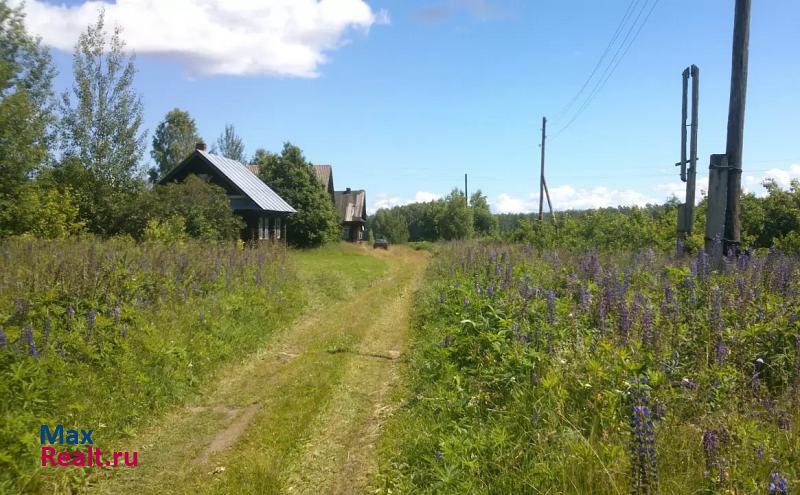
(106, 335)
(554, 372)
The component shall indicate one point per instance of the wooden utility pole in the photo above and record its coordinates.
(733, 150)
(541, 172)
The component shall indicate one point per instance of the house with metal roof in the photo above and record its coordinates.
(352, 208)
(263, 211)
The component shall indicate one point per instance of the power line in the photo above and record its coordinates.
(619, 55)
(611, 43)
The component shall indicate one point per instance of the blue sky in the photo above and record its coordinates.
(413, 94)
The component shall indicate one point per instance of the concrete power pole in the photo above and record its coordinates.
(733, 150)
(541, 171)
(466, 192)
(686, 210)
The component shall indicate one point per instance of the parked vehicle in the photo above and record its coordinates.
(380, 243)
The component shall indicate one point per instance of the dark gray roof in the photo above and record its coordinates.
(249, 183)
(351, 205)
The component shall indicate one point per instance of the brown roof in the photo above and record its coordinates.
(324, 175)
(351, 205)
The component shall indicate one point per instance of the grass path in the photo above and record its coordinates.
(303, 414)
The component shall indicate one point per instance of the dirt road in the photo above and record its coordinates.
(301, 415)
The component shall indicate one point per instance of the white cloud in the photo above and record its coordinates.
(750, 183)
(567, 197)
(216, 37)
(385, 200)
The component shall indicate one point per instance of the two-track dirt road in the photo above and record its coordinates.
(301, 415)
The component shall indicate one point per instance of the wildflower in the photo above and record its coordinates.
(760, 452)
(644, 467)
(777, 484)
(784, 421)
(490, 289)
(91, 318)
(27, 334)
(71, 313)
(647, 326)
(551, 307)
(466, 302)
(711, 450)
(624, 320)
(3, 339)
(687, 383)
(585, 296)
(45, 332)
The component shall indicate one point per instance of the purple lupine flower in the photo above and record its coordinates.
(777, 484)
(687, 383)
(760, 452)
(585, 297)
(644, 467)
(711, 450)
(3, 339)
(602, 313)
(624, 320)
(490, 290)
(551, 307)
(717, 324)
(648, 336)
(784, 421)
(466, 302)
(45, 332)
(91, 318)
(27, 335)
(70, 313)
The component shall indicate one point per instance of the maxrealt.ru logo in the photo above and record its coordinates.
(91, 457)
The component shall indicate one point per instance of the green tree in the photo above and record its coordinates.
(100, 130)
(455, 219)
(485, 224)
(292, 177)
(391, 224)
(174, 139)
(230, 145)
(26, 74)
(201, 209)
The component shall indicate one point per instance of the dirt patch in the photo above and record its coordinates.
(224, 439)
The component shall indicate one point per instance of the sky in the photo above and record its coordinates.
(403, 97)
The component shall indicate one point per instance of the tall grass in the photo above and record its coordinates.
(553, 373)
(105, 334)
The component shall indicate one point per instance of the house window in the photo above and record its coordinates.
(277, 228)
(346, 232)
(263, 228)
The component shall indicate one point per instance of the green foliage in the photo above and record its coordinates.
(447, 219)
(293, 178)
(100, 130)
(230, 145)
(455, 221)
(485, 224)
(202, 209)
(175, 138)
(169, 231)
(121, 332)
(41, 211)
(519, 375)
(391, 225)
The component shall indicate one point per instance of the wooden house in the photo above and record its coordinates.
(263, 211)
(352, 208)
(325, 177)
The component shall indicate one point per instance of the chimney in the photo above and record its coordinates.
(201, 146)
(347, 191)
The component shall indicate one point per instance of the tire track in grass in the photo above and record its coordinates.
(296, 383)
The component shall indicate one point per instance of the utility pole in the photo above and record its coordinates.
(466, 193)
(733, 149)
(689, 176)
(541, 173)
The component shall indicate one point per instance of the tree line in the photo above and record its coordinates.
(72, 163)
(771, 220)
